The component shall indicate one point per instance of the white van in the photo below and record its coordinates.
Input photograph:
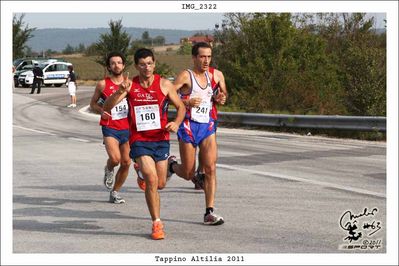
(53, 72)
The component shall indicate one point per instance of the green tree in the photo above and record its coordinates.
(271, 66)
(68, 49)
(91, 50)
(146, 39)
(360, 56)
(185, 49)
(159, 40)
(329, 63)
(116, 40)
(164, 70)
(81, 48)
(21, 34)
(50, 52)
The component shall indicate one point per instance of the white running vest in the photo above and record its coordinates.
(200, 114)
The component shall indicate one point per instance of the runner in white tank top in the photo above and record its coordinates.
(200, 114)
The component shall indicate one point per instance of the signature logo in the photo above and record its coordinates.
(360, 225)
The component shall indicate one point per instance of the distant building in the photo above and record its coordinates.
(196, 39)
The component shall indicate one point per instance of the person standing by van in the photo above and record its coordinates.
(71, 84)
(37, 78)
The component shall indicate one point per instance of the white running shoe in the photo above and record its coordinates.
(213, 219)
(115, 198)
(108, 178)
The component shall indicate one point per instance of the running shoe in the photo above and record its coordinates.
(157, 231)
(108, 178)
(115, 198)
(141, 183)
(213, 219)
(140, 178)
(198, 180)
(171, 160)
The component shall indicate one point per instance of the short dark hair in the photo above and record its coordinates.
(143, 53)
(113, 54)
(195, 48)
(70, 67)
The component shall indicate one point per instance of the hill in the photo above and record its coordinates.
(57, 39)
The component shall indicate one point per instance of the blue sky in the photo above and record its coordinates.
(183, 21)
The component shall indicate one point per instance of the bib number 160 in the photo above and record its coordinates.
(147, 116)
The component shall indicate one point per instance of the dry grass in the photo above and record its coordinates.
(88, 70)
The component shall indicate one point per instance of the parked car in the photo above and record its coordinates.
(54, 73)
(25, 68)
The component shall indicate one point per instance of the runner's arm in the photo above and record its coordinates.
(181, 83)
(221, 98)
(94, 105)
(118, 96)
(177, 102)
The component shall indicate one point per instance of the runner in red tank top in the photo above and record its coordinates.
(146, 105)
(148, 96)
(115, 127)
(118, 119)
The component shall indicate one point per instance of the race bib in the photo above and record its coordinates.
(200, 114)
(147, 117)
(120, 110)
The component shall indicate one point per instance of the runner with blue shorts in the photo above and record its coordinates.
(198, 128)
(114, 126)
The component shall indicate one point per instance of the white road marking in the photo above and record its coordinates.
(77, 139)
(51, 134)
(35, 130)
(86, 111)
(313, 182)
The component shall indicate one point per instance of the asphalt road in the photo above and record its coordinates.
(278, 193)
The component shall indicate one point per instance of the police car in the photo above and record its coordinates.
(54, 73)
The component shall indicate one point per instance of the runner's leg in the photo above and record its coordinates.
(148, 168)
(123, 170)
(187, 156)
(114, 154)
(208, 158)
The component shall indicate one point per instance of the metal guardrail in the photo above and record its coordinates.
(357, 123)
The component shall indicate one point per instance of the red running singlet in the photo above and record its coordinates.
(119, 113)
(148, 109)
(215, 87)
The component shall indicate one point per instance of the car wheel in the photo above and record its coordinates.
(57, 85)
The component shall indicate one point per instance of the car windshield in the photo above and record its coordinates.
(17, 62)
(27, 67)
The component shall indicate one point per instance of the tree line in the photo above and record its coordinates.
(324, 63)
(327, 63)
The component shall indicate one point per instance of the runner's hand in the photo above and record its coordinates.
(126, 84)
(220, 98)
(171, 127)
(105, 115)
(195, 101)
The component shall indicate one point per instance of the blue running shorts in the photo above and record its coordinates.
(120, 135)
(158, 150)
(194, 132)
